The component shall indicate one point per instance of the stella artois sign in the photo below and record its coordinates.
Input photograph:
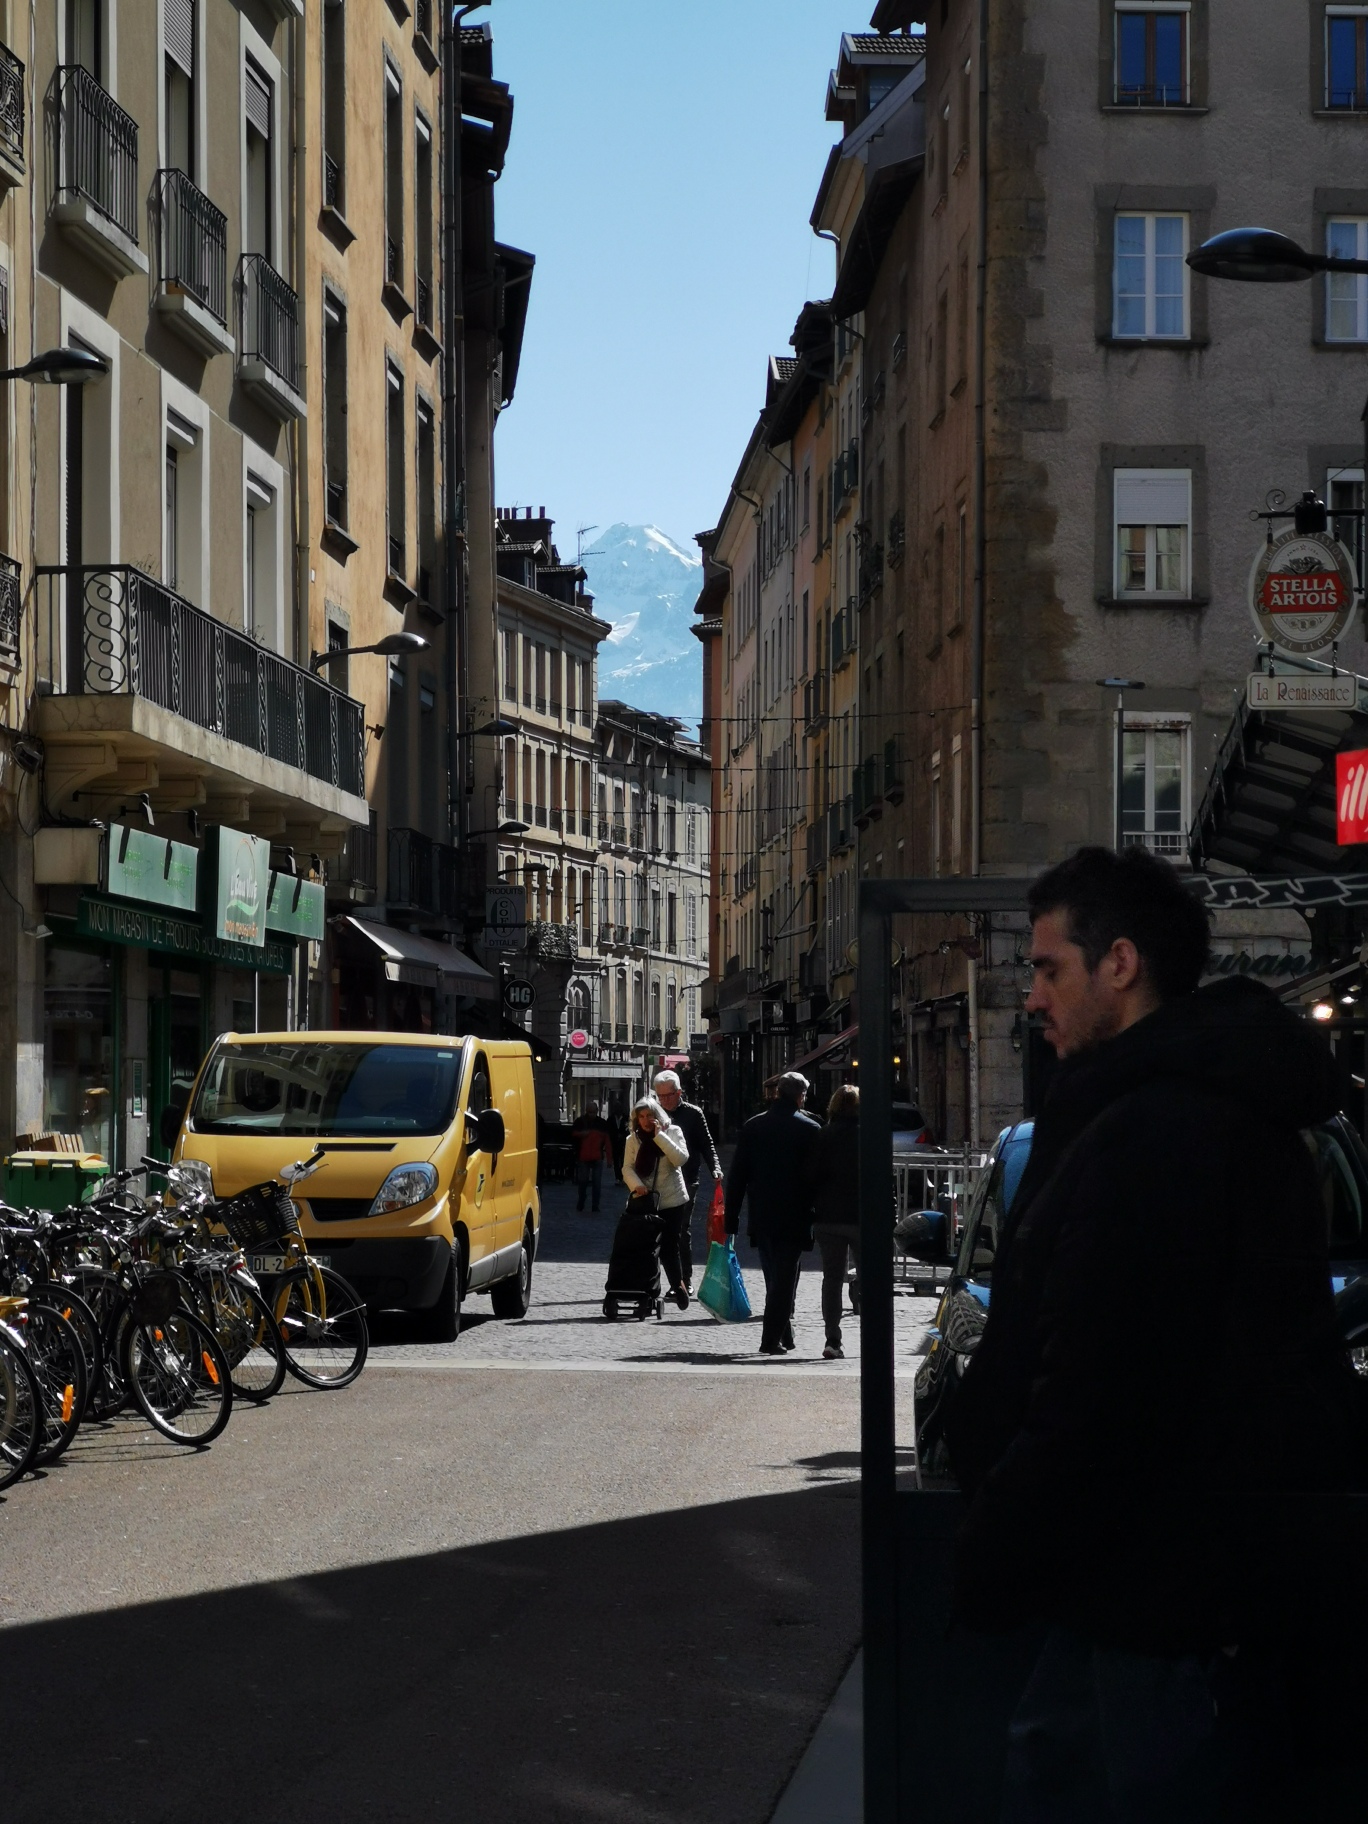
(1302, 592)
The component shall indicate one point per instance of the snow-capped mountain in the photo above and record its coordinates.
(646, 584)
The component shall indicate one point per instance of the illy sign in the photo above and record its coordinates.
(1351, 797)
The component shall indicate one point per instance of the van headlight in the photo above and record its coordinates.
(406, 1184)
(190, 1176)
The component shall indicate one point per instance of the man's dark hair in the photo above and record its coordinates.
(1134, 894)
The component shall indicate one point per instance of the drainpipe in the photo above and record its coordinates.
(297, 1012)
(980, 569)
(456, 564)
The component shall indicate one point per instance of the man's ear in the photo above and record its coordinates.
(1124, 965)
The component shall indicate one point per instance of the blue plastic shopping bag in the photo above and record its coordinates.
(723, 1290)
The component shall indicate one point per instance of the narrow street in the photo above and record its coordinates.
(556, 1570)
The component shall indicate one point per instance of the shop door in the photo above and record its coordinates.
(176, 1041)
(79, 1049)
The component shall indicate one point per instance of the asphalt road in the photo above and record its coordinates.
(558, 1570)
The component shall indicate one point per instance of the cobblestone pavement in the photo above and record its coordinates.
(565, 1328)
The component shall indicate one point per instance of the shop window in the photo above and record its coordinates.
(78, 1047)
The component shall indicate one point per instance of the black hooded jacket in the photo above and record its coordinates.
(1158, 1357)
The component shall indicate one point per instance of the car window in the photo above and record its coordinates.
(906, 1118)
(979, 1242)
(1341, 1197)
(1016, 1153)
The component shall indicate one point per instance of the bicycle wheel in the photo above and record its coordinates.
(83, 1321)
(21, 1413)
(323, 1322)
(58, 1363)
(248, 1334)
(179, 1376)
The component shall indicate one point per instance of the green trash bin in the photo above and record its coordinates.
(52, 1181)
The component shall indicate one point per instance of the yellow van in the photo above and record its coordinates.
(428, 1186)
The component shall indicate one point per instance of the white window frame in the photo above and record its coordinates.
(1336, 12)
(1150, 334)
(1149, 723)
(1121, 478)
(262, 475)
(1358, 281)
(1151, 6)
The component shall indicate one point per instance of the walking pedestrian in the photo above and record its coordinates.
(689, 1118)
(836, 1202)
(593, 1144)
(1158, 1365)
(771, 1172)
(652, 1162)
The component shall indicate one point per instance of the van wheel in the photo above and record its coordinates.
(511, 1297)
(443, 1321)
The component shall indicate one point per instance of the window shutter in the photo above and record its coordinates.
(179, 25)
(258, 100)
(1157, 497)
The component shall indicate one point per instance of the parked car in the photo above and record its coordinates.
(1342, 1169)
(909, 1128)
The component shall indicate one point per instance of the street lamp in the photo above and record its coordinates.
(511, 826)
(390, 647)
(1120, 686)
(1262, 256)
(59, 367)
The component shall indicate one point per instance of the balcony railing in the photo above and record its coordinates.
(897, 538)
(422, 19)
(332, 182)
(638, 1033)
(640, 937)
(816, 845)
(843, 634)
(605, 937)
(97, 148)
(12, 105)
(553, 942)
(655, 1035)
(871, 572)
(393, 261)
(605, 1031)
(423, 875)
(117, 632)
(899, 348)
(892, 771)
(815, 701)
(192, 242)
(620, 936)
(621, 1032)
(269, 328)
(10, 596)
(671, 1037)
(354, 870)
(840, 826)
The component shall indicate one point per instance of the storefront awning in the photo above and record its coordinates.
(424, 963)
(821, 1054)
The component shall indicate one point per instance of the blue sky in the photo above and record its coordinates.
(664, 162)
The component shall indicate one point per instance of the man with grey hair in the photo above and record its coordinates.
(694, 1123)
(772, 1171)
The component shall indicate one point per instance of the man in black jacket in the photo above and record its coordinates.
(1159, 1353)
(693, 1123)
(772, 1171)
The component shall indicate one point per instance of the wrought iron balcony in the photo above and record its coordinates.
(11, 595)
(621, 1030)
(816, 845)
(605, 937)
(332, 182)
(892, 771)
(815, 701)
(422, 19)
(424, 303)
(97, 149)
(268, 331)
(423, 875)
(118, 632)
(655, 1035)
(605, 1031)
(897, 538)
(192, 242)
(353, 874)
(11, 107)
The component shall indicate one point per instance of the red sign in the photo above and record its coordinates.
(578, 1039)
(1285, 594)
(1351, 797)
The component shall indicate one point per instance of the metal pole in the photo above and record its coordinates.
(878, 1459)
(1120, 757)
(453, 407)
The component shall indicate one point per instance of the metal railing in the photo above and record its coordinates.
(12, 105)
(844, 632)
(840, 826)
(118, 632)
(935, 1178)
(1159, 842)
(355, 867)
(815, 695)
(553, 941)
(640, 937)
(422, 19)
(897, 537)
(605, 937)
(192, 242)
(97, 148)
(332, 181)
(892, 770)
(11, 597)
(816, 844)
(605, 1031)
(423, 303)
(268, 328)
(621, 1030)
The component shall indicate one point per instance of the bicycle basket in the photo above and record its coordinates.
(156, 1298)
(263, 1214)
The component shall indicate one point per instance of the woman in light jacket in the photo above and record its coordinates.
(653, 1160)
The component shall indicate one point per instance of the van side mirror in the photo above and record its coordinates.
(173, 1114)
(489, 1134)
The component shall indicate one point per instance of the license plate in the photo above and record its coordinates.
(281, 1263)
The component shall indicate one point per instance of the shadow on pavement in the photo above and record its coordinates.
(660, 1670)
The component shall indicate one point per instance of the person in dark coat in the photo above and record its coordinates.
(693, 1124)
(771, 1172)
(836, 1203)
(593, 1144)
(1159, 1351)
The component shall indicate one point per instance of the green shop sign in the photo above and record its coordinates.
(233, 889)
(295, 907)
(114, 923)
(151, 868)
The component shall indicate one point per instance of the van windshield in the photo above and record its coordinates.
(328, 1088)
